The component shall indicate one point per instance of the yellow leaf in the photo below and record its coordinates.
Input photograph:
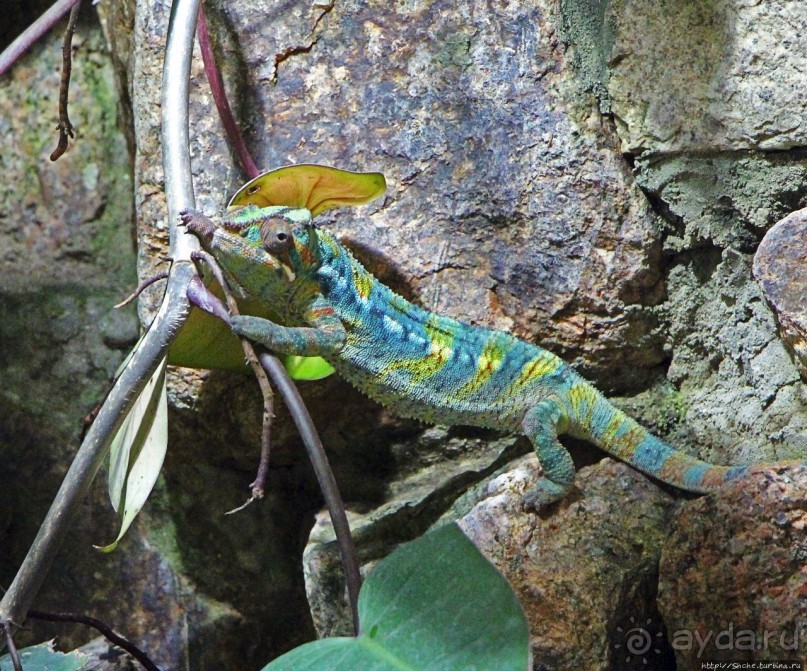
(315, 187)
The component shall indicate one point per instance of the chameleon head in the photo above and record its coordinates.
(263, 248)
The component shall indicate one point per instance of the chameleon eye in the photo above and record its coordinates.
(276, 235)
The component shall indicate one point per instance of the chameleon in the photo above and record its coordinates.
(423, 365)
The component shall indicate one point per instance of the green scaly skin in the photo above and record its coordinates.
(424, 365)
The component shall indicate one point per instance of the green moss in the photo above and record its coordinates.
(456, 50)
(672, 411)
(588, 26)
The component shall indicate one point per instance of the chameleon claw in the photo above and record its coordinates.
(197, 223)
(542, 495)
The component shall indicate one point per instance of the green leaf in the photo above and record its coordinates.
(204, 341)
(137, 452)
(43, 657)
(435, 603)
(315, 187)
(306, 367)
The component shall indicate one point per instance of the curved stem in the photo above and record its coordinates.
(33, 32)
(152, 349)
(322, 469)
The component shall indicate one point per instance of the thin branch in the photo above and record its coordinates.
(145, 284)
(213, 75)
(152, 349)
(322, 469)
(12, 648)
(258, 485)
(101, 627)
(64, 126)
(32, 34)
(200, 296)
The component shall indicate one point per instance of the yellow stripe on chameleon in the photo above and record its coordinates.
(488, 362)
(581, 395)
(609, 433)
(362, 280)
(536, 368)
(440, 352)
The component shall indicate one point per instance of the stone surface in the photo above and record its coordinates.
(583, 571)
(733, 575)
(586, 573)
(780, 270)
(705, 76)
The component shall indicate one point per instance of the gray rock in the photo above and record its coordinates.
(703, 76)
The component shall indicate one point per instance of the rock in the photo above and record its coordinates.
(733, 574)
(780, 270)
(586, 573)
(693, 76)
(583, 571)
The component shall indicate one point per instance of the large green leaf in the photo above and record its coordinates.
(437, 604)
(204, 341)
(43, 657)
(137, 452)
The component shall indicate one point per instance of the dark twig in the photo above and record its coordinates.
(258, 486)
(32, 34)
(64, 127)
(145, 284)
(220, 98)
(105, 630)
(322, 469)
(200, 296)
(12, 648)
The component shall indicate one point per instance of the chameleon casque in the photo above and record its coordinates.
(424, 365)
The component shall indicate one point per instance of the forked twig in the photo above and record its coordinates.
(199, 295)
(258, 485)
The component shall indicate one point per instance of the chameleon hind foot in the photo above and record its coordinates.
(543, 494)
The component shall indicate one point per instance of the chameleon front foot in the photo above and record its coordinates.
(197, 223)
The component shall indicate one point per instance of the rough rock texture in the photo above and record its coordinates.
(583, 572)
(780, 270)
(622, 242)
(693, 76)
(733, 575)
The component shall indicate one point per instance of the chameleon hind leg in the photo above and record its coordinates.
(540, 425)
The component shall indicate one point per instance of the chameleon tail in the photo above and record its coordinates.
(613, 431)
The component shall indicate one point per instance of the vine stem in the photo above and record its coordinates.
(16, 602)
(32, 34)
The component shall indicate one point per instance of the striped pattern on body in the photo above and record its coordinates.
(432, 367)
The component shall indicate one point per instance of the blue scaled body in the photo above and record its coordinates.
(421, 364)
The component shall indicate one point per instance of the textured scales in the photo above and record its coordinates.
(424, 365)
